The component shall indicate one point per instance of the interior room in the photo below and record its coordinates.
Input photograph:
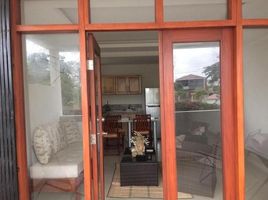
(130, 69)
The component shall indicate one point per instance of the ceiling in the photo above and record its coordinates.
(137, 47)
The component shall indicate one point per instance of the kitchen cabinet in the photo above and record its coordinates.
(122, 85)
(126, 84)
(108, 85)
(134, 84)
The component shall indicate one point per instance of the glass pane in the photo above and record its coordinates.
(54, 139)
(256, 112)
(120, 11)
(181, 10)
(255, 9)
(49, 12)
(197, 117)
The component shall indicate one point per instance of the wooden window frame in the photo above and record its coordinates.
(234, 21)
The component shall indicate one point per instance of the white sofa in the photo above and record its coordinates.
(59, 153)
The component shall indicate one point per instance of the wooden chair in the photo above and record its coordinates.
(142, 124)
(148, 116)
(114, 131)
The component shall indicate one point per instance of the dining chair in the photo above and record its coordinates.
(148, 116)
(113, 127)
(142, 124)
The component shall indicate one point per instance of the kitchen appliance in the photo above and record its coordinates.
(152, 106)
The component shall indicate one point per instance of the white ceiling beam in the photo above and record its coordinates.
(127, 45)
(128, 54)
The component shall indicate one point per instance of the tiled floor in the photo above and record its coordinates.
(256, 187)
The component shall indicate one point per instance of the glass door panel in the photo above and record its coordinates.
(98, 92)
(256, 112)
(198, 112)
(196, 75)
(96, 116)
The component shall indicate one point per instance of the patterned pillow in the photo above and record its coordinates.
(42, 145)
(56, 137)
(71, 130)
(179, 141)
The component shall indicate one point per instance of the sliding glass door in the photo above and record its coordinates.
(198, 114)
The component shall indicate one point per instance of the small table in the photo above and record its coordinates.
(138, 173)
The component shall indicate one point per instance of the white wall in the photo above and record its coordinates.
(255, 85)
(150, 78)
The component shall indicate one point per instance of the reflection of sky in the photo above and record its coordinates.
(32, 47)
(70, 56)
(193, 60)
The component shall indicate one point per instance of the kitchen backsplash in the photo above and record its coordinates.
(122, 107)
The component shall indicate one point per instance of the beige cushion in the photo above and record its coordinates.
(67, 163)
(179, 141)
(71, 130)
(42, 145)
(56, 136)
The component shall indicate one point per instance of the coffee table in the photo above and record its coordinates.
(138, 173)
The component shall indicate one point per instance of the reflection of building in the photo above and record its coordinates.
(191, 87)
(192, 82)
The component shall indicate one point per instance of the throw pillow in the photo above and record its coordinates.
(260, 138)
(56, 137)
(179, 141)
(199, 130)
(42, 145)
(71, 130)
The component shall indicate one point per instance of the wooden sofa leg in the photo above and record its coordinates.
(59, 185)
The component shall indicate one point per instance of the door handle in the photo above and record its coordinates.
(103, 133)
(102, 119)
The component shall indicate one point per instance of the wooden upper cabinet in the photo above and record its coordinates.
(134, 84)
(108, 85)
(121, 84)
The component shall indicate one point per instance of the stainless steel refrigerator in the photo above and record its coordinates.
(152, 105)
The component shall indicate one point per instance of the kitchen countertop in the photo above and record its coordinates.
(126, 119)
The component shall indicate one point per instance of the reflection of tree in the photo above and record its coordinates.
(70, 84)
(38, 68)
(199, 94)
(179, 90)
(212, 73)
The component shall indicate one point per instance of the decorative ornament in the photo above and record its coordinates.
(139, 141)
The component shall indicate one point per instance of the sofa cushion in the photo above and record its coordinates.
(67, 163)
(56, 136)
(42, 145)
(71, 130)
